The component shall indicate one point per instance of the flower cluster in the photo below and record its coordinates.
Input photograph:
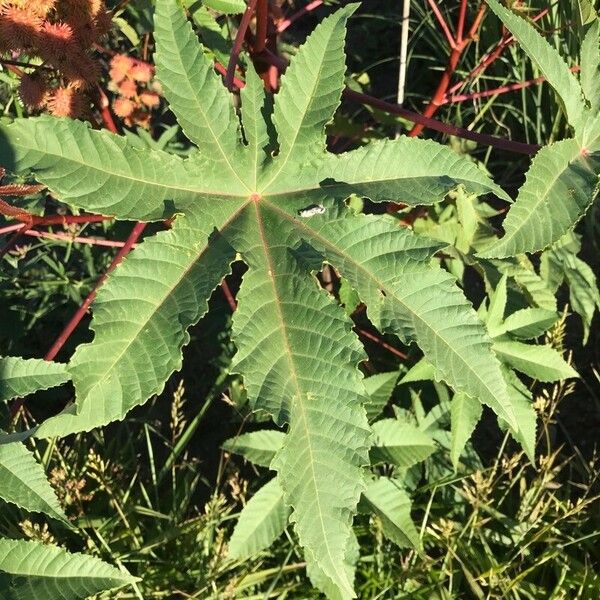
(137, 93)
(61, 34)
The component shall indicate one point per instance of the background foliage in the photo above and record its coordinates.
(158, 497)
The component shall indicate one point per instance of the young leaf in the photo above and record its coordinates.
(465, 413)
(529, 323)
(523, 407)
(259, 447)
(261, 521)
(23, 482)
(385, 498)
(228, 7)
(495, 313)
(20, 377)
(539, 362)
(548, 60)
(34, 571)
(379, 388)
(401, 444)
(560, 185)
(590, 66)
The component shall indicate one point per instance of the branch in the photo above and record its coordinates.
(136, 232)
(237, 44)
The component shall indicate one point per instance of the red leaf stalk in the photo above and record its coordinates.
(237, 44)
(135, 234)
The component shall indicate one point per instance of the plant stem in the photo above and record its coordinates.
(262, 20)
(283, 25)
(79, 240)
(136, 232)
(458, 48)
(237, 44)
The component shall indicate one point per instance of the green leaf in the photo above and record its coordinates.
(310, 92)
(23, 482)
(259, 447)
(260, 523)
(465, 413)
(590, 66)
(200, 102)
(141, 321)
(282, 316)
(381, 172)
(99, 172)
(323, 583)
(276, 203)
(522, 402)
(421, 371)
(539, 362)
(413, 299)
(548, 60)
(259, 133)
(379, 388)
(20, 377)
(401, 444)
(228, 7)
(34, 571)
(560, 186)
(495, 312)
(529, 323)
(386, 499)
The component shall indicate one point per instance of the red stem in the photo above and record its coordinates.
(283, 25)
(74, 239)
(228, 296)
(457, 50)
(460, 27)
(440, 18)
(382, 343)
(104, 108)
(136, 232)
(488, 59)
(481, 138)
(262, 20)
(237, 44)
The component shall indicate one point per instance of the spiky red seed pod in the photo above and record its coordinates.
(120, 67)
(33, 91)
(150, 99)
(18, 27)
(67, 102)
(123, 107)
(141, 118)
(82, 70)
(102, 24)
(128, 88)
(56, 41)
(41, 8)
(142, 72)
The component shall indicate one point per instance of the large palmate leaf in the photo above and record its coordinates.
(34, 571)
(563, 179)
(271, 195)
